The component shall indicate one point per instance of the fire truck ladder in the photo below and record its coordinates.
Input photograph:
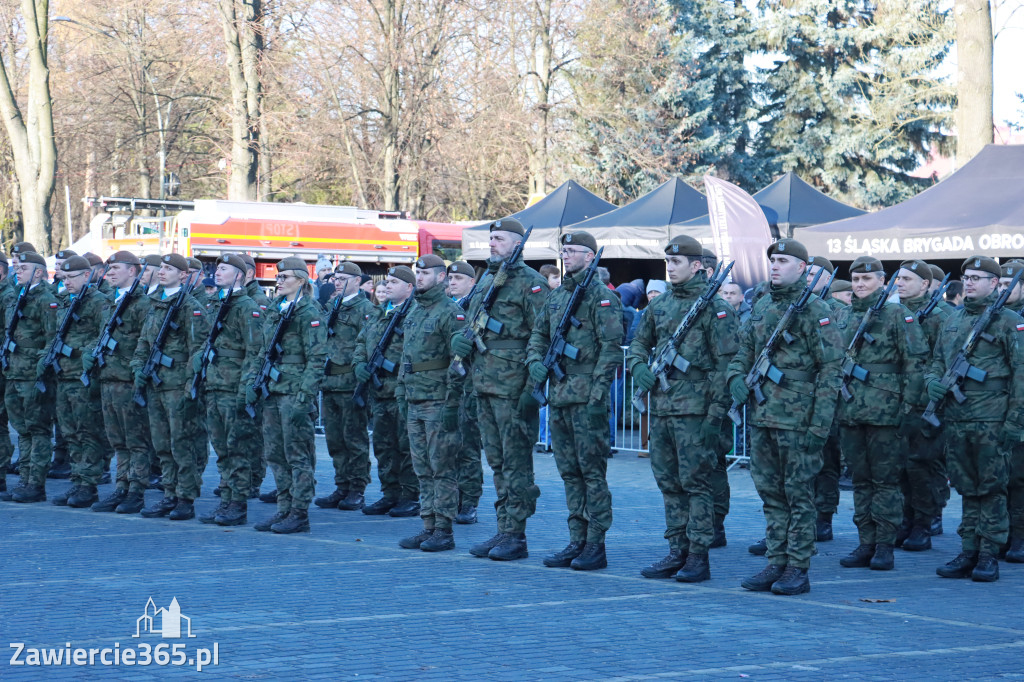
(132, 204)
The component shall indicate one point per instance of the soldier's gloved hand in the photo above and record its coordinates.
(362, 372)
(88, 362)
(140, 380)
(815, 442)
(1011, 437)
(197, 363)
(461, 346)
(450, 415)
(710, 433)
(739, 390)
(643, 377)
(528, 405)
(538, 372)
(403, 408)
(597, 415)
(40, 368)
(936, 390)
(251, 396)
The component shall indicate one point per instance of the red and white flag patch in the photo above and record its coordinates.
(721, 314)
(197, 313)
(255, 313)
(908, 318)
(605, 303)
(1020, 327)
(53, 305)
(460, 317)
(314, 323)
(535, 289)
(263, 307)
(823, 321)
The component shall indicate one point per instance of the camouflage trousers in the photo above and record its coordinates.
(250, 432)
(83, 429)
(172, 425)
(925, 488)
(826, 483)
(127, 427)
(471, 470)
(6, 447)
(202, 436)
(720, 491)
(508, 443)
(875, 455)
(391, 449)
(434, 458)
(290, 442)
(224, 414)
(348, 443)
(31, 414)
(783, 470)
(683, 468)
(581, 455)
(978, 471)
(1015, 492)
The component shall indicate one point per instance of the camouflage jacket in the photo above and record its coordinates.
(35, 330)
(501, 371)
(807, 402)
(367, 341)
(82, 333)
(932, 327)
(1001, 396)
(255, 292)
(237, 347)
(303, 344)
(895, 363)
(709, 346)
(353, 315)
(181, 343)
(423, 373)
(590, 375)
(126, 336)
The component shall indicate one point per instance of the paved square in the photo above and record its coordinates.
(345, 602)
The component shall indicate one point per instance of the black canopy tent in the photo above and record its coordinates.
(978, 209)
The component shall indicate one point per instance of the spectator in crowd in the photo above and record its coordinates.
(955, 293)
(606, 277)
(378, 293)
(552, 275)
(733, 295)
(324, 287)
(366, 286)
(655, 288)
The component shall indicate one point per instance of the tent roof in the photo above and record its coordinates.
(978, 209)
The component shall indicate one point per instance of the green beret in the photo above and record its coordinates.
(937, 272)
(175, 260)
(429, 261)
(65, 253)
(153, 260)
(234, 261)
(402, 272)
(461, 267)
(250, 264)
(32, 257)
(1011, 268)
(75, 264)
(293, 264)
(983, 263)
(93, 259)
(788, 247)
(22, 247)
(507, 225)
(841, 285)
(867, 264)
(125, 257)
(195, 264)
(580, 239)
(708, 257)
(918, 267)
(823, 263)
(348, 268)
(684, 245)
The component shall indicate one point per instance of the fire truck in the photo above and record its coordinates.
(268, 232)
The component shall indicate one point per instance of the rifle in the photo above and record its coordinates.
(267, 371)
(106, 344)
(559, 348)
(156, 356)
(377, 361)
(961, 369)
(12, 325)
(57, 346)
(209, 352)
(763, 368)
(924, 312)
(482, 320)
(468, 298)
(823, 294)
(851, 370)
(669, 357)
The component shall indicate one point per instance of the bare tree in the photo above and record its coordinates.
(244, 40)
(974, 77)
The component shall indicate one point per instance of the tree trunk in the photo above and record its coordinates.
(542, 75)
(974, 77)
(391, 106)
(243, 37)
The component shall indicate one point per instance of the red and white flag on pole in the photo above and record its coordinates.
(740, 231)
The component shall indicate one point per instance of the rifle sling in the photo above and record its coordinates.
(506, 344)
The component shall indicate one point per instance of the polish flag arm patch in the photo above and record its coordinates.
(823, 321)
(197, 313)
(605, 303)
(53, 305)
(255, 313)
(721, 314)
(314, 323)
(1020, 327)
(908, 318)
(460, 317)
(535, 289)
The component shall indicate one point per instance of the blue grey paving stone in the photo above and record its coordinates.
(346, 602)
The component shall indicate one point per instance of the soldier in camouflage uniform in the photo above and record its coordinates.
(399, 486)
(125, 421)
(198, 292)
(345, 422)
(232, 356)
(792, 425)
(982, 431)
(173, 414)
(461, 280)
(433, 395)
(76, 402)
(7, 296)
(579, 403)
(288, 410)
(31, 412)
(1015, 482)
(508, 414)
(686, 422)
(251, 431)
(873, 410)
(925, 476)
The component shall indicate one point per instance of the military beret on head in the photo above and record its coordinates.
(823, 263)
(22, 247)
(195, 264)
(125, 257)
(153, 260)
(348, 268)
(65, 253)
(75, 264)
(403, 273)
(507, 225)
(292, 264)
(175, 260)
(32, 257)
(248, 260)
(867, 264)
(684, 245)
(982, 263)
(234, 261)
(580, 239)
(708, 256)
(1011, 268)
(918, 267)
(937, 272)
(209, 282)
(93, 259)
(429, 261)
(788, 247)
(461, 267)
(841, 285)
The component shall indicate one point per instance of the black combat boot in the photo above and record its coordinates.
(84, 497)
(936, 527)
(1015, 553)
(512, 547)
(405, 508)
(667, 566)
(332, 500)
(296, 522)
(133, 503)
(109, 504)
(858, 558)
(903, 532)
(466, 515)
(763, 581)
(759, 548)
(184, 511)
(414, 541)
(591, 558)
(211, 518)
(441, 540)
(919, 540)
(380, 507)
(793, 581)
(718, 539)
(219, 489)
(29, 494)
(235, 514)
(563, 557)
(696, 570)
(162, 508)
(823, 528)
(986, 570)
(269, 498)
(60, 469)
(353, 501)
(959, 567)
(266, 526)
(483, 549)
(62, 499)
(882, 559)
